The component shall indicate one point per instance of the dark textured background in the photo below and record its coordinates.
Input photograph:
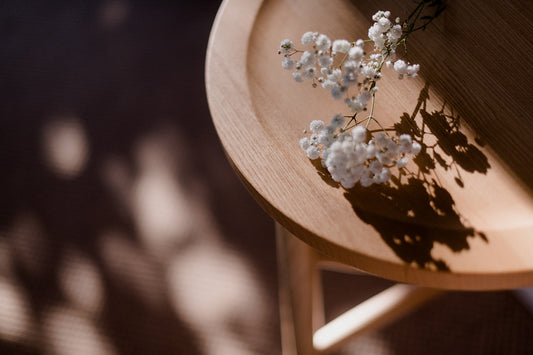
(123, 229)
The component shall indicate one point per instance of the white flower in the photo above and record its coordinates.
(328, 84)
(375, 167)
(371, 151)
(309, 37)
(358, 103)
(286, 46)
(337, 121)
(312, 152)
(405, 139)
(381, 140)
(368, 71)
(325, 138)
(349, 79)
(359, 134)
(324, 156)
(401, 67)
(379, 42)
(350, 160)
(395, 33)
(325, 61)
(374, 31)
(412, 70)
(382, 176)
(406, 143)
(304, 143)
(380, 14)
(338, 91)
(356, 53)
(308, 58)
(335, 75)
(341, 46)
(384, 24)
(376, 58)
(297, 76)
(287, 63)
(366, 178)
(323, 42)
(351, 66)
(326, 71)
(316, 126)
(416, 148)
(400, 163)
(309, 73)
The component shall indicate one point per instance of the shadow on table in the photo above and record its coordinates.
(414, 211)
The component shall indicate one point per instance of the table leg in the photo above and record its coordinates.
(301, 306)
(303, 328)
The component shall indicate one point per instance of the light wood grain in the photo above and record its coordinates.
(469, 225)
(301, 304)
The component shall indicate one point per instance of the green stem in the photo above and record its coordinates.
(343, 60)
(371, 108)
(380, 126)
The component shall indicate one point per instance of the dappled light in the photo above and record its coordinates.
(65, 146)
(17, 322)
(113, 13)
(81, 282)
(28, 244)
(71, 332)
(160, 205)
(373, 343)
(131, 269)
(112, 221)
(216, 292)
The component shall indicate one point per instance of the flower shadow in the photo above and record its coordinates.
(414, 211)
(443, 143)
(423, 213)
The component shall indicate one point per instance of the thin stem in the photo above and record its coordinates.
(293, 53)
(343, 60)
(349, 128)
(381, 130)
(350, 121)
(371, 108)
(380, 126)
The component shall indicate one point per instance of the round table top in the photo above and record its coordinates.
(464, 218)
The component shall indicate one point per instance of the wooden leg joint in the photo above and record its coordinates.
(303, 328)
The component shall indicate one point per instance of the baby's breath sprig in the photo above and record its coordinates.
(352, 76)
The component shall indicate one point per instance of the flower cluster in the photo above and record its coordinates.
(350, 157)
(350, 74)
(318, 64)
(355, 68)
(386, 36)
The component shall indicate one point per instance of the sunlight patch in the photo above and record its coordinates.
(65, 146)
(16, 323)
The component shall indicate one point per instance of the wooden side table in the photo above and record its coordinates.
(461, 221)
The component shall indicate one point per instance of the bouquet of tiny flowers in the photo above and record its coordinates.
(345, 146)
